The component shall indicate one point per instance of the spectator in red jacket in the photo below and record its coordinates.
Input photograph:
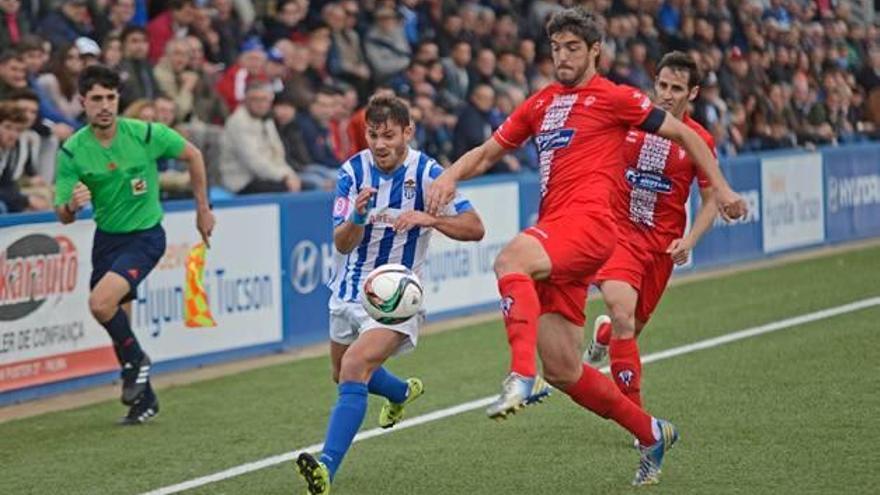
(251, 65)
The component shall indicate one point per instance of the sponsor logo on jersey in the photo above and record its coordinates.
(649, 180)
(554, 140)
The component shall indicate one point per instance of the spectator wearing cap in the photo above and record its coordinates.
(173, 23)
(253, 154)
(251, 66)
(386, 46)
(314, 124)
(116, 18)
(60, 82)
(66, 24)
(13, 22)
(175, 79)
(135, 70)
(89, 51)
(346, 59)
(276, 69)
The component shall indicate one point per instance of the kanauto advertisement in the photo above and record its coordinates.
(47, 333)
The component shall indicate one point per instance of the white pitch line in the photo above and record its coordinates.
(477, 404)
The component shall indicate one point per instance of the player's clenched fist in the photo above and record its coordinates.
(81, 196)
(362, 202)
(731, 205)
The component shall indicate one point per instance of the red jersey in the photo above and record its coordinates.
(654, 187)
(578, 132)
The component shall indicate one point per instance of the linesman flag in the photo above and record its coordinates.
(197, 312)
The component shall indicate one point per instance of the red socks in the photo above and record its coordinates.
(597, 393)
(521, 308)
(626, 368)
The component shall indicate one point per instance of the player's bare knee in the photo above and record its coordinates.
(622, 321)
(562, 375)
(354, 367)
(102, 308)
(506, 262)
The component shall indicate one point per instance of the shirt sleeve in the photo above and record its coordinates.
(459, 203)
(702, 180)
(164, 142)
(632, 106)
(346, 193)
(66, 178)
(518, 126)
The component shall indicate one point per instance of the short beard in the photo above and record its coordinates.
(101, 126)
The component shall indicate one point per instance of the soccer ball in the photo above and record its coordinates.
(392, 294)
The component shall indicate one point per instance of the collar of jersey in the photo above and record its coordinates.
(401, 169)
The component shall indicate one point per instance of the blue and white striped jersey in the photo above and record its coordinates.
(400, 191)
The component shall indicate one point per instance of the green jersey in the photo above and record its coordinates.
(123, 178)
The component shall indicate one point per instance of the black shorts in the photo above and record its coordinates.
(132, 255)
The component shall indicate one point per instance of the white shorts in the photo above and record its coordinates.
(349, 320)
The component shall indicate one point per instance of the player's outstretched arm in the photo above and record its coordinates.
(195, 163)
(730, 204)
(473, 163)
(680, 248)
(348, 234)
(464, 226)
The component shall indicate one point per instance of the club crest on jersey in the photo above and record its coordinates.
(552, 140)
(589, 100)
(649, 180)
(409, 188)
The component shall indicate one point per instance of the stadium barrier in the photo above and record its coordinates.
(271, 259)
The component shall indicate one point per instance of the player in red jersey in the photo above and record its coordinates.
(579, 125)
(651, 217)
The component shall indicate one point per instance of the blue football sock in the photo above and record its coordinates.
(345, 420)
(384, 383)
(126, 345)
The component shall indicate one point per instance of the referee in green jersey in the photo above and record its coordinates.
(112, 163)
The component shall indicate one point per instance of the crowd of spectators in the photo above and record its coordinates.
(272, 90)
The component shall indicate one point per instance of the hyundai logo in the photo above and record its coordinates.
(305, 269)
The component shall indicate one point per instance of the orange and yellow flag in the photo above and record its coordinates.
(197, 312)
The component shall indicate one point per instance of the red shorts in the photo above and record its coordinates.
(578, 245)
(646, 271)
